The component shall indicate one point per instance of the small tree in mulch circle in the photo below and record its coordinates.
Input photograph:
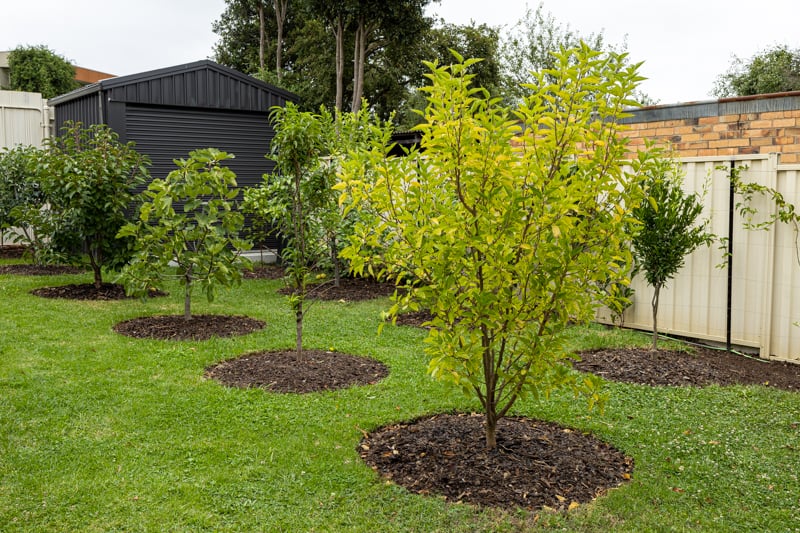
(90, 177)
(667, 229)
(201, 238)
(510, 230)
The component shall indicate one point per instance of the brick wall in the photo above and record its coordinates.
(727, 127)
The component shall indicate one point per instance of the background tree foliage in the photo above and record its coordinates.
(772, 70)
(507, 225)
(39, 69)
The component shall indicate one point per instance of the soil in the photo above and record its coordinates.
(39, 270)
(87, 291)
(264, 271)
(284, 371)
(349, 290)
(197, 328)
(702, 367)
(535, 463)
(11, 251)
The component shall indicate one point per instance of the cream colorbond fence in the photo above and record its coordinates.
(765, 273)
(24, 119)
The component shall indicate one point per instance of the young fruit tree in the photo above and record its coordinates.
(506, 224)
(201, 238)
(90, 177)
(667, 229)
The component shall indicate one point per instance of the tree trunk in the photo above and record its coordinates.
(656, 290)
(281, 7)
(491, 431)
(339, 33)
(359, 56)
(187, 298)
(95, 259)
(299, 327)
(262, 34)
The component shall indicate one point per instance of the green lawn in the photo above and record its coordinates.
(100, 432)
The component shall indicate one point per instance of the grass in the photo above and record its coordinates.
(100, 432)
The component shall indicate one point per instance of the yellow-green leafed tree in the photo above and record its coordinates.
(505, 224)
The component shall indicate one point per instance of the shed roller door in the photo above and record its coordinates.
(165, 134)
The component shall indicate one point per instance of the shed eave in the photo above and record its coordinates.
(77, 93)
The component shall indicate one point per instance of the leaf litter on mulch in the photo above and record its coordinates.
(535, 464)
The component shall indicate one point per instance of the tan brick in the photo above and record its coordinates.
(782, 141)
(762, 141)
(727, 151)
(708, 120)
(720, 127)
(761, 124)
(746, 150)
(707, 152)
(760, 133)
(789, 159)
(772, 115)
(665, 132)
(729, 143)
(691, 137)
(703, 129)
(790, 148)
(682, 130)
(710, 136)
(790, 131)
(784, 122)
(729, 118)
(688, 153)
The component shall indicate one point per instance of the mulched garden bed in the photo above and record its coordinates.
(39, 270)
(11, 251)
(284, 371)
(87, 291)
(265, 271)
(535, 464)
(676, 368)
(349, 290)
(198, 328)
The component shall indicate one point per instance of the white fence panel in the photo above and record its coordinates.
(765, 295)
(24, 119)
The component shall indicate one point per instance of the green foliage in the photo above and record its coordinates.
(90, 177)
(507, 225)
(667, 228)
(772, 70)
(39, 69)
(201, 237)
(19, 186)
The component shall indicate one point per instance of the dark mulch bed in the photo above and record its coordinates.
(11, 251)
(264, 271)
(349, 290)
(39, 270)
(535, 464)
(414, 318)
(198, 328)
(284, 371)
(87, 291)
(674, 368)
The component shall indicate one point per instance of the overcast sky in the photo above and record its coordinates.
(684, 44)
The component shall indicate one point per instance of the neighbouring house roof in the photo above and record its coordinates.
(83, 75)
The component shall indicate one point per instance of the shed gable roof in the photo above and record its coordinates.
(200, 84)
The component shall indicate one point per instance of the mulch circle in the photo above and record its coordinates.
(197, 328)
(265, 271)
(414, 318)
(87, 291)
(39, 270)
(676, 368)
(535, 463)
(11, 251)
(349, 290)
(284, 371)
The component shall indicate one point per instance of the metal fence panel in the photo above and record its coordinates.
(24, 119)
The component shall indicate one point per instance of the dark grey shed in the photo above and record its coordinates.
(172, 111)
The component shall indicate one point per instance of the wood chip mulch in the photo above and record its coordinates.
(284, 371)
(676, 368)
(39, 270)
(197, 328)
(535, 463)
(349, 290)
(87, 291)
